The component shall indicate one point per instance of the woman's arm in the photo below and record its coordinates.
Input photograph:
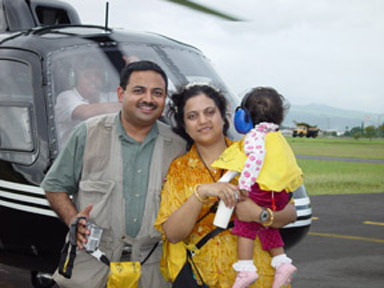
(249, 211)
(180, 223)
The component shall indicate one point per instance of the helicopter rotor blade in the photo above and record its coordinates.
(205, 9)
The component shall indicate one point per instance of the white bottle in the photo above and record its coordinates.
(224, 213)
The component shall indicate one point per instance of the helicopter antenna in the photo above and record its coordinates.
(106, 14)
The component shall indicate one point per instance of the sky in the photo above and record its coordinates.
(329, 52)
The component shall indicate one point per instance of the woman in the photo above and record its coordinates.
(199, 113)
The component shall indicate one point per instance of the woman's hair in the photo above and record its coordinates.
(179, 99)
(265, 105)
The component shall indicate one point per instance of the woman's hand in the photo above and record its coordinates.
(225, 191)
(249, 211)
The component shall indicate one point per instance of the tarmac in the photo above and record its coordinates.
(344, 247)
(345, 244)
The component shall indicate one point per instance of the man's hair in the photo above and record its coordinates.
(265, 104)
(141, 66)
(179, 99)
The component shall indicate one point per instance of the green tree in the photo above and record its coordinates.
(356, 135)
(354, 130)
(370, 132)
(381, 130)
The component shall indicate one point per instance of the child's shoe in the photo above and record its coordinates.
(283, 275)
(245, 278)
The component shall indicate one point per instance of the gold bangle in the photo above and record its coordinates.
(197, 194)
(271, 218)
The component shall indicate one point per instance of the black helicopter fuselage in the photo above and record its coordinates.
(36, 65)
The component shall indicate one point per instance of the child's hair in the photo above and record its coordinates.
(265, 105)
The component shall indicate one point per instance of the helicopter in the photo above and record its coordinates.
(41, 43)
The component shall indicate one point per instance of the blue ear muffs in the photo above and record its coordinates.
(242, 120)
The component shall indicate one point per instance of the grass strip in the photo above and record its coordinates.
(338, 147)
(336, 177)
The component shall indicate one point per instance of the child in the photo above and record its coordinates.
(269, 173)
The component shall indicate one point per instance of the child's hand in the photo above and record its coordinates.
(243, 195)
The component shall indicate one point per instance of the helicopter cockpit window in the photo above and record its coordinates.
(87, 75)
(196, 68)
(147, 52)
(16, 102)
(83, 84)
(52, 16)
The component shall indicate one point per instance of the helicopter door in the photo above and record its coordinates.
(20, 81)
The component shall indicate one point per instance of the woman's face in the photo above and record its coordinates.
(203, 121)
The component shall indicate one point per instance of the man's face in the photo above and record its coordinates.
(90, 81)
(143, 99)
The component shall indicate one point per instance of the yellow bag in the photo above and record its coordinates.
(124, 274)
(173, 259)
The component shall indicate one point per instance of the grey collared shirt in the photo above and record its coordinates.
(136, 163)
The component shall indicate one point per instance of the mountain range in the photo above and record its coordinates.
(330, 118)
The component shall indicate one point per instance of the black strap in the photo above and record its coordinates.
(200, 244)
(212, 234)
(212, 209)
(150, 253)
(189, 256)
(67, 259)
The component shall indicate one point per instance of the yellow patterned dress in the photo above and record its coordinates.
(216, 257)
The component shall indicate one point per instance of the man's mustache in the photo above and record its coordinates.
(147, 104)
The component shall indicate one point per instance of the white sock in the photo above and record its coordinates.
(280, 259)
(244, 265)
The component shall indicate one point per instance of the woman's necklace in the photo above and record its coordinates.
(206, 166)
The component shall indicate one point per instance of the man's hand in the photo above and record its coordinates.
(82, 231)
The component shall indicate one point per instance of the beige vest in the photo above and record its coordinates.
(102, 185)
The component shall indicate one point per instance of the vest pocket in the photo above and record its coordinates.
(98, 193)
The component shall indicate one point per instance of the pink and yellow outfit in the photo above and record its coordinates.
(269, 172)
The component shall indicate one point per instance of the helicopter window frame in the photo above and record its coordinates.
(3, 22)
(18, 105)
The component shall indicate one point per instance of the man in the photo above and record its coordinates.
(114, 165)
(85, 100)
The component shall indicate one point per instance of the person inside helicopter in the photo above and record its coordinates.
(85, 99)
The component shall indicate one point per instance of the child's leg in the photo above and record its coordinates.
(278, 257)
(283, 266)
(271, 241)
(246, 270)
(245, 255)
(285, 270)
(276, 251)
(245, 248)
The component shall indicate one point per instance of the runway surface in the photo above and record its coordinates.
(345, 245)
